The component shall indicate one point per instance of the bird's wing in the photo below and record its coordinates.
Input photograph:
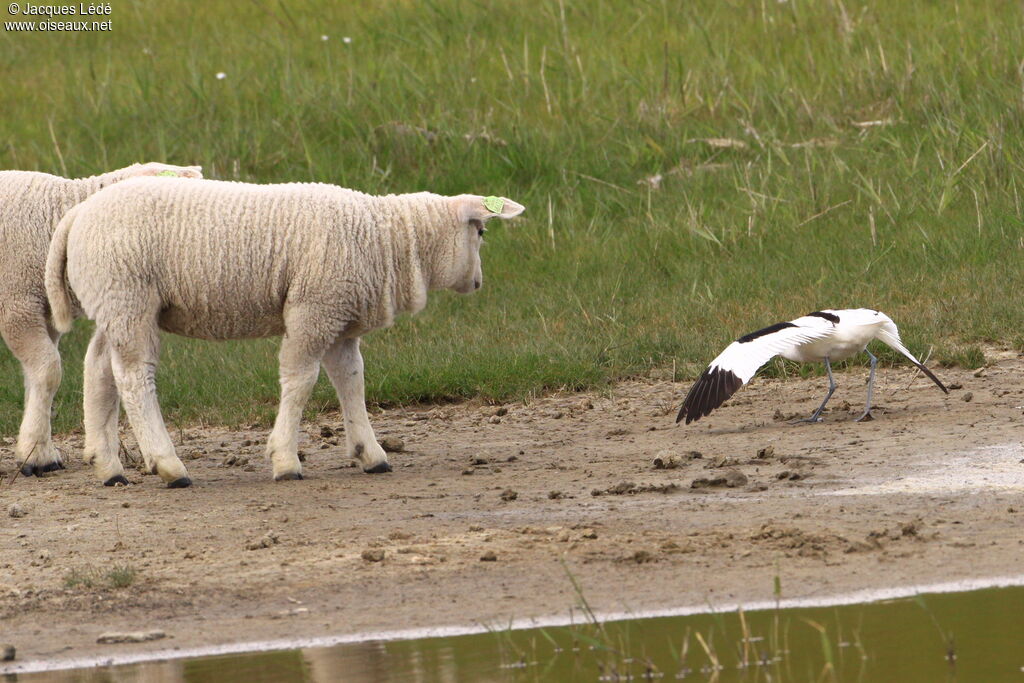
(888, 334)
(735, 366)
(860, 316)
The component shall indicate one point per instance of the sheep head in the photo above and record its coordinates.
(472, 212)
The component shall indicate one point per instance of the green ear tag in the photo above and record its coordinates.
(172, 174)
(494, 204)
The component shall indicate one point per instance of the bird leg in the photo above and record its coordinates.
(867, 416)
(816, 415)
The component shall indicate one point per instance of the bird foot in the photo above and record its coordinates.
(866, 417)
(813, 419)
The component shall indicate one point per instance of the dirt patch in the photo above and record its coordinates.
(602, 485)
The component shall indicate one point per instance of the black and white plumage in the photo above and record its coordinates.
(821, 336)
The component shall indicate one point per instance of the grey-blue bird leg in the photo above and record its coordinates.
(867, 416)
(816, 415)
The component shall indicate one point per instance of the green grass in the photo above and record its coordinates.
(117, 576)
(875, 163)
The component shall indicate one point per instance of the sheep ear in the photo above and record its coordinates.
(474, 207)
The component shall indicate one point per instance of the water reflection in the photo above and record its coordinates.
(974, 636)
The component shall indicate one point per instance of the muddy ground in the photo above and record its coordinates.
(488, 506)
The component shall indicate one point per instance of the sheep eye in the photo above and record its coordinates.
(480, 231)
(479, 225)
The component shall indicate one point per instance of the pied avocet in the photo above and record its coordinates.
(816, 337)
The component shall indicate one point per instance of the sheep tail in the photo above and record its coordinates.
(63, 309)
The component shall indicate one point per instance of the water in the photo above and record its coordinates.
(968, 636)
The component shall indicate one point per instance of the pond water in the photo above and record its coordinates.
(968, 636)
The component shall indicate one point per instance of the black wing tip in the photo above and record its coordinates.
(685, 413)
(712, 389)
(932, 377)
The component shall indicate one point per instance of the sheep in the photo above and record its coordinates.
(31, 203)
(316, 263)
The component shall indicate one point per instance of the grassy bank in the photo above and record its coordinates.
(691, 171)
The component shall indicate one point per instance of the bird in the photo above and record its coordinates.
(821, 336)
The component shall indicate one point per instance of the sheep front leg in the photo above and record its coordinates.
(299, 368)
(35, 346)
(344, 364)
(101, 412)
(134, 366)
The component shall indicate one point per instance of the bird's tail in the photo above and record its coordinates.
(63, 307)
(891, 336)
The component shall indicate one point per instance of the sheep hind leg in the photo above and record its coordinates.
(34, 344)
(101, 413)
(344, 365)
(133, 360)
(299, 369)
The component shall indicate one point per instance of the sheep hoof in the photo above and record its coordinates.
(39, 470)
(288, 476)
(116, 479)
(378, 468)
(179, 483)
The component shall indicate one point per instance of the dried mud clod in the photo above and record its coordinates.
(880, 538)
(392, 444)
(667, 460)
(131, 637)
(642, 557)
(729, 479)
(268, 540)
(373, 555)
(803, 543)
(630, 488)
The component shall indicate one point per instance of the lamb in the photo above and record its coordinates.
(30, 205)
(316, 263)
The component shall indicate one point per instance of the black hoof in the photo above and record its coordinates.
(180, 483)
(288, 476)
(28, 470)
(52, 467)
(379, 468)
(116, 479)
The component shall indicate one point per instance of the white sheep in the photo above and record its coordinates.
(316, 263)
(30, 205)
